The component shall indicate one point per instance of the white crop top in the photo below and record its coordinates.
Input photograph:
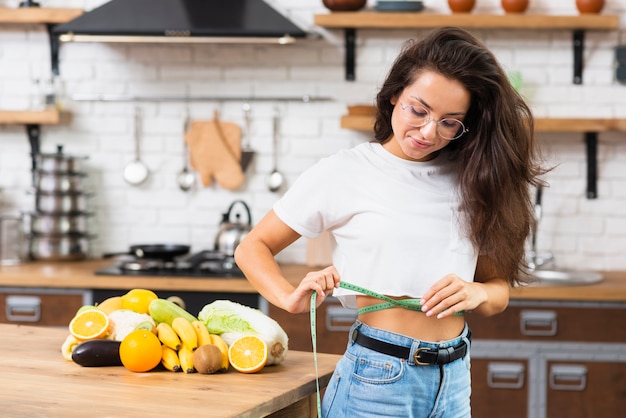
(393, 223)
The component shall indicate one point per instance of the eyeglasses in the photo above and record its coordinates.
(447, 128)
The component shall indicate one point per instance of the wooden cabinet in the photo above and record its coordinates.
(580, 389)
(50, 307)
(550, 359)
(333, 323)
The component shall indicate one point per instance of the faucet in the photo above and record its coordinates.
(534, 259)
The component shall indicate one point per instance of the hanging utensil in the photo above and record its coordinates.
(275, 178)
(136, 172)
(186, 179)
(246, 153)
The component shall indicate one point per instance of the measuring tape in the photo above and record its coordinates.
(412, 304)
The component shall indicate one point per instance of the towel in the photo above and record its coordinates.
(215, 152)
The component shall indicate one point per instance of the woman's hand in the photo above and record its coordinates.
(451, 294)
(322, 281)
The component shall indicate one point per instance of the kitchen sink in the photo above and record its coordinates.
(565, 277)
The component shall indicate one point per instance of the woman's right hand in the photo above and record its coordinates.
(321, 281)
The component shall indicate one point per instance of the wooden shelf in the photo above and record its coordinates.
(38, 15)
(361, 118)
(30, 117)
(578, 24)
(399, 20)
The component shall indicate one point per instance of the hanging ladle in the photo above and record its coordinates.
(275, 178)
(186, 178)
(136, 172)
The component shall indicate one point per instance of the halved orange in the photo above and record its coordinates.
(89, 325)
(248, 354)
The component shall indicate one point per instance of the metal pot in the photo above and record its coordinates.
(59, 248)
(59, 162)
(56, 224)
(61, 203)
(59, 182)
(231, 233)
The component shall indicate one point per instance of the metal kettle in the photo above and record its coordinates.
(232, 232)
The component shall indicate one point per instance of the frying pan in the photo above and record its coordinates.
(157, 251)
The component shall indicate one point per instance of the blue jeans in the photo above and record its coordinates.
(370, 384)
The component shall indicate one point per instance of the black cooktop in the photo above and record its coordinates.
(203, 264)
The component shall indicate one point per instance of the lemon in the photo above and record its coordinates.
(138, 300)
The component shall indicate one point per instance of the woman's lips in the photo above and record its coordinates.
(419, 144)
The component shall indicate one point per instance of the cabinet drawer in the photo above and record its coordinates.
(586, 389)
(554, 322)
(499, 388)
(333, 323)
(41, 307)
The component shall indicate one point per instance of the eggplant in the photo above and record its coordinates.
(97, 353)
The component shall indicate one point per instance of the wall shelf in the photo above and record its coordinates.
(32, 14)
(578, 24)
(26, 117)
(361, 118)
(44, 15)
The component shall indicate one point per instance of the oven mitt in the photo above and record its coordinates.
(215, 151)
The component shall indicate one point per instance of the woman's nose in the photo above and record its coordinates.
(429, 129)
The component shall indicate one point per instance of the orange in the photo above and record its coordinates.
(111, 304)
(138, 300)
(140, 351)
(248, 354)
(89, 324)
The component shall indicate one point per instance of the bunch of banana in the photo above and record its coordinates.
(180, 339)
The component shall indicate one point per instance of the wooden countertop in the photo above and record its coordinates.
(80, 275)
(40, 382)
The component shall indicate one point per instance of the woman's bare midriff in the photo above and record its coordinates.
(411, 323)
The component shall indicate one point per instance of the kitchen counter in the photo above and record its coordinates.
(40, 382)
(80, 275)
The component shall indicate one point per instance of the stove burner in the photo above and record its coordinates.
(203, 264)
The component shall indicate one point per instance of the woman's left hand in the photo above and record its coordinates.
(450, 295)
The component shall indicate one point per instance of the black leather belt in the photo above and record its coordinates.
(423, 356)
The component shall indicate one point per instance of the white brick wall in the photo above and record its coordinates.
(582, 233)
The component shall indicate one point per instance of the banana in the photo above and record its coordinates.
(202, 332)
(68, 347)
(221, 344)
(168, 336)
(169, 359)
(163, 310)
(186, 332)
(185, 355)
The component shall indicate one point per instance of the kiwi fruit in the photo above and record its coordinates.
(207, 359)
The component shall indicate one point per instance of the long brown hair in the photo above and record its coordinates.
(497, 161)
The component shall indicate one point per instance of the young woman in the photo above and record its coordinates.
(431, 215)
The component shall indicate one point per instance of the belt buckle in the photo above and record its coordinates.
(416, 357)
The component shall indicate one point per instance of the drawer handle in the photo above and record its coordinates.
(568, 377)
(505, 375)
(542, 323)
(23, 308)
(340, 319)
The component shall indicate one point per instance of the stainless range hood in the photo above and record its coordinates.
(181, 21)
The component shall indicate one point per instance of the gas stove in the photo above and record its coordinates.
(206, 263)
